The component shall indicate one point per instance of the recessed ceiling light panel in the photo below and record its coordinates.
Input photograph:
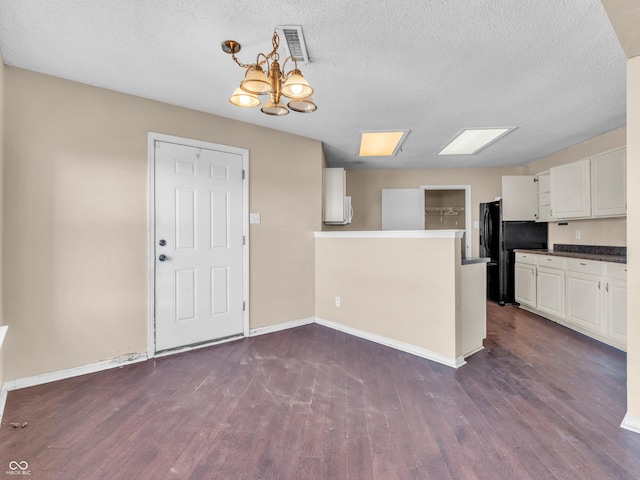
(470, 141)
(381, 144)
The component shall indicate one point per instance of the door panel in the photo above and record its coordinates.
(200, 267)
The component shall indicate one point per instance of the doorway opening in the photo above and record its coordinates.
(448, 207)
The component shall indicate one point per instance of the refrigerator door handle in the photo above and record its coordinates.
(488, 231)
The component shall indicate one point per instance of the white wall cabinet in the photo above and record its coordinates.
(585, 295)
(336, 206)
(571, 190)
(543, 181)
(609, 184)
(519, 198)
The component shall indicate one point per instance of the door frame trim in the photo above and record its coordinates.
(152, 137)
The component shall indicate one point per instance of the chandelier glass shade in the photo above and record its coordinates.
(275, 82)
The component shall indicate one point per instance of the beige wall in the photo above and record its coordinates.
(404, 289)
(633, 235)
(365, 187)
(610, 231)
(76, 219)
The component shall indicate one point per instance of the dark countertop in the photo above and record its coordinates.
(599, 253)
(472, 260)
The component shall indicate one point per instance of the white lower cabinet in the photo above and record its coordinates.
(585, 295)
(551, 291)
(525, 288)
(550, 285)
(615, 303)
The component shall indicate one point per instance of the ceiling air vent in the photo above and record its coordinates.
(294, 42)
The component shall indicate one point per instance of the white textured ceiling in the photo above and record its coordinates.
(553, 68)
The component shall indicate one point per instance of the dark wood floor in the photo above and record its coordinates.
(540, 402)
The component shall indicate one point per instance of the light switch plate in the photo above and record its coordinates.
(254, 218)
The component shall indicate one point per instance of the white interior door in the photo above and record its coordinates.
(198, 245)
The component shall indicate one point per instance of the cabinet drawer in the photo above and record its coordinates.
(616, 270)
(585, 266)
(528, 258)
(550, 262)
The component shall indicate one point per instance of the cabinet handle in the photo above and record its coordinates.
(549, 260)
(598, 285)
(584, 264)
(607, 287)
(551, 213)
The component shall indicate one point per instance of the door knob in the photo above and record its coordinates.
(162, 258)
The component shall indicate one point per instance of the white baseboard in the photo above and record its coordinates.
(281, 326)
(398, 345)
(630, 423)
(74, 372)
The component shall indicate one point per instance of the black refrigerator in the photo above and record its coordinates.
(498, 239)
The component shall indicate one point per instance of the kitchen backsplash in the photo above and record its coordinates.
(606, 231)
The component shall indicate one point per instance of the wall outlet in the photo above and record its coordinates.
(337, 301)
(577, 234)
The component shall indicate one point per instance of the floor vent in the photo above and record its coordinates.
(294, 42)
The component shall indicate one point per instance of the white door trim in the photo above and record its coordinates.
(151, 139)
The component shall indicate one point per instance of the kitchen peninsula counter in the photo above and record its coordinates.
(409, 290)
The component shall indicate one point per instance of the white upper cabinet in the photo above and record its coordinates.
(571, 190)
(544, 196)
(609, 184)
(334, 184)
(519, 198)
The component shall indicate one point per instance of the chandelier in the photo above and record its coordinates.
(277, 84)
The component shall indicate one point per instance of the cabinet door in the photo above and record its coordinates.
(519, 198)
(525, 288)
(615, 310)
(609, 184)
(571, 190)
(544, 197)
(334, 186)
(584, 300)
(551, 291)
